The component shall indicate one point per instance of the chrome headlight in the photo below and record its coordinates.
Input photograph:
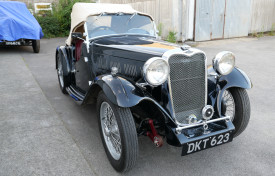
(224, 62)
(156, 71)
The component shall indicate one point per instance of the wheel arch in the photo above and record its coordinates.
(120, 91)
(62, 52)
(236, 79)
(123, 93)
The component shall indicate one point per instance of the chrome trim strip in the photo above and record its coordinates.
(129, 48)
(71, 92)
(169, 86)
(179, 129)
(206, 80)
(189, 52)
(87, 36)
(139, 13)
(76, 92)
(122, 34)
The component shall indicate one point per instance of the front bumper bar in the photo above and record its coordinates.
(179, 129)
(190, 133)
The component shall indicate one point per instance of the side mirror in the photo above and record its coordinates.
(77, 35)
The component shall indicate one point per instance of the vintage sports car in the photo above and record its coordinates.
(18, 27)
(143, 86)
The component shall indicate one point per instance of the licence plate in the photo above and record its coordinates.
(13, 43)
(205, 143)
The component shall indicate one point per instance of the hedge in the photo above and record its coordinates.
(58, 23)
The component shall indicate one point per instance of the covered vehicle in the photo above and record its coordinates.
(147, 87)
(18, 26)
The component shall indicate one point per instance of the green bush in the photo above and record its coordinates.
(172, 37)
(50, 26)
(58, 23)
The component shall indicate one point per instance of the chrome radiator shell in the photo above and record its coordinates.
(187, 83)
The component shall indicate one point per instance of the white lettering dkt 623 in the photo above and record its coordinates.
(204, 143)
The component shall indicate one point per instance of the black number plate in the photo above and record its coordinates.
(13, 43)
(205, 143)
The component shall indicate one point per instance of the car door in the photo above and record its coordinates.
(83, 73)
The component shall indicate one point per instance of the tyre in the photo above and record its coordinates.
(118, 134)
(62, 79)
(236, 104)
(36, 46)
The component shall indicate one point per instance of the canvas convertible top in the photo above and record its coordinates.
(17, 22)
(81, 11)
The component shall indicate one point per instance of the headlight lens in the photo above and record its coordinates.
(224, 62)
(156, 71)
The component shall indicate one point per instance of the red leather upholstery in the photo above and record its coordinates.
(78, 49)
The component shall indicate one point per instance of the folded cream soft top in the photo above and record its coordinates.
(81, 11)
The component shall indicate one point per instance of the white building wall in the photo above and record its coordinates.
(173, 14)
(262, 15)
(178, 15)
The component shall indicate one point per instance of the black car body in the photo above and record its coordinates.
(189, 108)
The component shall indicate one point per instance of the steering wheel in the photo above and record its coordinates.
(101, 28)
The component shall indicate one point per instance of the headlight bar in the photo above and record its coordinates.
(179, 129)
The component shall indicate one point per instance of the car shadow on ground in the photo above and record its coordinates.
(16, 49)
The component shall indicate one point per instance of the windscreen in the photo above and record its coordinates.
(116, 24)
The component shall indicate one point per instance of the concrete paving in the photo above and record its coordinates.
(44, 132)
(33, 139)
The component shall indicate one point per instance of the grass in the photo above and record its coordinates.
(262, 34)
(272, 32)
(159, 27)
(172, 37)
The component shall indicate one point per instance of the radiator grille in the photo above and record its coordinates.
(187, 83)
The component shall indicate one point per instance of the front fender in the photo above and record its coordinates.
(120, 91)
(62, 53)
(237, 78)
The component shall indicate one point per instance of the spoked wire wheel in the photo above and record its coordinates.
(110, 130)
(60, 72)
(118, 133)
(236, 105)
(228, 105)
(63, 80)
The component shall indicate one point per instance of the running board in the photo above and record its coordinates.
(75, 94)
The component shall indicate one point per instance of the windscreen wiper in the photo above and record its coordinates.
(100, 15)
(131, 17)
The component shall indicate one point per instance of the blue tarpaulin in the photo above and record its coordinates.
(17, 22)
